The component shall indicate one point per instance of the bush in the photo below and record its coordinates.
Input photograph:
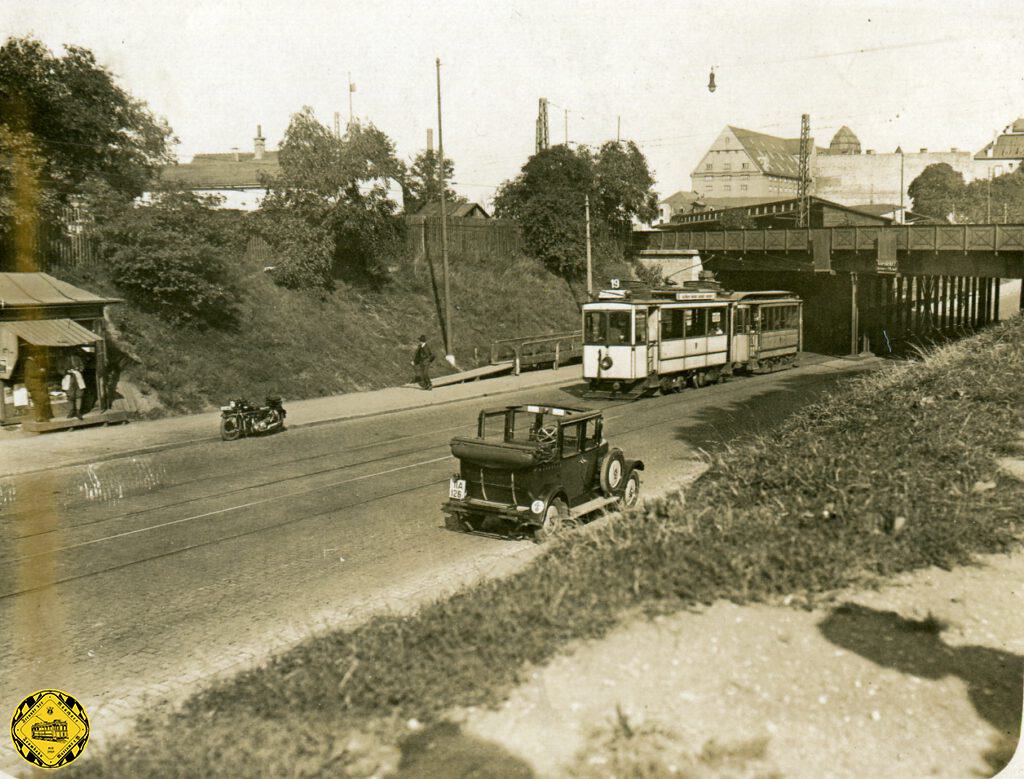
(302, 252)
(168, 257)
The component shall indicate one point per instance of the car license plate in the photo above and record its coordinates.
(457, 489)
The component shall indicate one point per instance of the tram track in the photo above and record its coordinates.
(652, 406)
(259, 485)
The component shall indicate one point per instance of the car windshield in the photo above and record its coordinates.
(607, 328)
(525, 425)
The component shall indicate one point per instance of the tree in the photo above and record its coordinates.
(547, 199)
(168, 257)
(623, 182)
(332, 197)
(422, 186)
(938, 191)
(993, 200)
(79, 121)
(736, 219)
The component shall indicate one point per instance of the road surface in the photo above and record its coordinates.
(228, 551)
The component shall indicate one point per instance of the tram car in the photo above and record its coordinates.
(56, 730)
(642, 340)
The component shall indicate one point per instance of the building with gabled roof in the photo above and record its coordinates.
(1004, 154)
(454, 210)
(745, 163)
(238, 177)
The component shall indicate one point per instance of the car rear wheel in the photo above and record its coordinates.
(613, 471)
(556, 517)
(631, 491)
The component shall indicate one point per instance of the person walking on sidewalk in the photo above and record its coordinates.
(421, 362)
(73, 384)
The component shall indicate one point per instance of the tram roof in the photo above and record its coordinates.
(662, 295)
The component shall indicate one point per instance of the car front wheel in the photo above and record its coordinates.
(631, 491)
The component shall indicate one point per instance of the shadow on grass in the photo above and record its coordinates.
(444, 750)
(757, 413)
(994, 678)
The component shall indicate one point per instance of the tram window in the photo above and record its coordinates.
(672, 323)
(618, 327)
(641, 328)
(742, 321)
(607, 328)
(792, 314)
(716, 326)
(696, 322)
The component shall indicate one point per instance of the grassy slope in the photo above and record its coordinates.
(807, 509)
(303, 345)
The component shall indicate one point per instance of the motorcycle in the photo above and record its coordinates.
(241, 418)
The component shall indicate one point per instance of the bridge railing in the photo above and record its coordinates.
(933, 238)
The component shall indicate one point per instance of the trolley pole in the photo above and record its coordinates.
(590, 269)
(448, 352)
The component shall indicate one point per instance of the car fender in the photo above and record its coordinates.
(634, 465)
(630, 466)
(549, 493)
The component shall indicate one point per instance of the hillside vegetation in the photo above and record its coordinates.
(302, 344)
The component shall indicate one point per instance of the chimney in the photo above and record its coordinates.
(234, 151)
(259, 143)
(430, 139)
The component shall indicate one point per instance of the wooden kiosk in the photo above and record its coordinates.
(43, 321)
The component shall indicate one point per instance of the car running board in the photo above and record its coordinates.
(591, 506)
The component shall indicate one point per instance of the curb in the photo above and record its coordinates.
(295, 426)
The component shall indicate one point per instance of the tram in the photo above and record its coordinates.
(643, 340)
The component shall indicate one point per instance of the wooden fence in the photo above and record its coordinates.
(470, 239)
(53, 246)
(49, 245)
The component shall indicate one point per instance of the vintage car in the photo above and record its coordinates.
(532, 469)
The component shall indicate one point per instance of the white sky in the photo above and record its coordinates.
(932, 74)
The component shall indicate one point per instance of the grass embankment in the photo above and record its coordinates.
(809, 508)
(302, 345)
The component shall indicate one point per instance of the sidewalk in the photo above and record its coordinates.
(24, 454)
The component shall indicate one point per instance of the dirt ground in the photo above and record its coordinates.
(920, 678)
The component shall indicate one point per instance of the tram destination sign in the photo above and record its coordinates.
(695, 296)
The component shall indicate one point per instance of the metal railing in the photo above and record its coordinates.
(533, 350)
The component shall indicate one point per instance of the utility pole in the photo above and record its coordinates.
(337, 124)
(804, 191)
(351, 89)
(567, 127)
(618, 129)
(988, 199)
(542, 125)
(899, 150)
(448, 353)
(590, 268)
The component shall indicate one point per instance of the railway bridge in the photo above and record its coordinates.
(878, 288)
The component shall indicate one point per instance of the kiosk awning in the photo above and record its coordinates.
(51, 332)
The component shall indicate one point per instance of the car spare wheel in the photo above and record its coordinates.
(556, 516)
(613, 471)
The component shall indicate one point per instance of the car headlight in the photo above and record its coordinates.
(537, 507)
